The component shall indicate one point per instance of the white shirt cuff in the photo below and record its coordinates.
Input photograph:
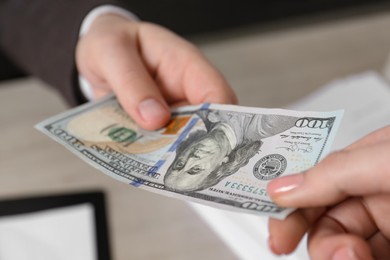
(85, 86)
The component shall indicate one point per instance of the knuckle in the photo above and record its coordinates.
(132, 79)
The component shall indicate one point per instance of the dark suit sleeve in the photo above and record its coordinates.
(40, 36)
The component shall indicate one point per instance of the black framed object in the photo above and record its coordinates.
(16, 206)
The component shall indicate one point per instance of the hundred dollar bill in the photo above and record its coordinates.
(219, 155)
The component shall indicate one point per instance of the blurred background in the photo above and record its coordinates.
(272, 52)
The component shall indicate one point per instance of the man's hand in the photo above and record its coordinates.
(148, 68)
(344, 201)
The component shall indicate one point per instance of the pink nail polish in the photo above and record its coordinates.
(284, 184)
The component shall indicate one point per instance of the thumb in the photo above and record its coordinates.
(346, 173)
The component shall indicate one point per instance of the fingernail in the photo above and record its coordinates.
(271, 245)
(345, 253)
(284, 184)
(152, 110)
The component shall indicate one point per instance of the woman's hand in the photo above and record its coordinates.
(148, 68)
(344, 204)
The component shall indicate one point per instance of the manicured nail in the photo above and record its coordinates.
(152, 110)
(271, 245)
(345, 253)
(284, 184)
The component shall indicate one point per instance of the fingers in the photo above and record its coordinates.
(380, 246)
(108, 56)
(149, 69)
(204, 84)
(346, 173)
(135, 89)
(376, 137)
(328, 240)
(285, 235)
(342, 231)
(181, 70)
(347, 229)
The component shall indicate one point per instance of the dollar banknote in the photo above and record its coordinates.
(219, 155)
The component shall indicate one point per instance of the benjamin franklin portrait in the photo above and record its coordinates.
(230, 140)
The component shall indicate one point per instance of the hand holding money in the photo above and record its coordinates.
(219, 155)
(148, 68)
(344, 201)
